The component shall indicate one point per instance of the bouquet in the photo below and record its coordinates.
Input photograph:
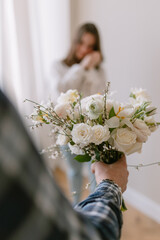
(97, 127)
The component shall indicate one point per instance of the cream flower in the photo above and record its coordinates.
(62, 139)
(142, 130)
(125, 141)
(121, 110)
(75, 149)
(113, 122)
(82, 134)
(112, 103)
(62, 109)
(151, 122)
(100, 134)
(125, 111)
(151, 111)
(139, 96)
(70, 96)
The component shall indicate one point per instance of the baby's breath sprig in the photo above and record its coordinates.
(143, 165)
(106, 91)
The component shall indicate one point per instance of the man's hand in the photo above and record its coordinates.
(116, 172)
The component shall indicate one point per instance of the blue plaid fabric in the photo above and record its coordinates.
(32, 207)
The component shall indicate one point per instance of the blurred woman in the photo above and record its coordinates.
(81, 70)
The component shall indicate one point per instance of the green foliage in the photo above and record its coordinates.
(82, 118)
(123, 207)
(112, 113)
(74, 104)
(132, 95)
(100, 121)
(72, 143)
(97, 154)
(83, 158)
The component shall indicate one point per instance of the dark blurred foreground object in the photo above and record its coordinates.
(31, 204)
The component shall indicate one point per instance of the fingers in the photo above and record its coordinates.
(91, 60)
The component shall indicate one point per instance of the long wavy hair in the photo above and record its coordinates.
(85, 28)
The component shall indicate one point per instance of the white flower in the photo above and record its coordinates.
(62, 109)
(94, 108)
(113, 122)
(85, 103)
(100, 134)
(62, 139)
(76, 149)
(142, 130)
(112, 103)
(68, 97)
(151, 111)
(82, 134)
(140, 95)
(73, 114)
(37, 118)
(126, 111)
(125, 141)
(121, 110)
(151, 122)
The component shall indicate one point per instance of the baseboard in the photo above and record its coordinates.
(143, 204)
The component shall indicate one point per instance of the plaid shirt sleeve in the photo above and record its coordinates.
(31, 204)
(102, 208)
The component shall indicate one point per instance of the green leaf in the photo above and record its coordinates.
(74, 104)
(100, 119)
(149, 112)
(123, 207)
(72, 143)
(111, 129)
(83, 158)
(82, 117)
(112, 113)
(97, 155)
(132, 95)
(93, 161)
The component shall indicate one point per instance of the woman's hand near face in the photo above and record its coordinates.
(91, 60)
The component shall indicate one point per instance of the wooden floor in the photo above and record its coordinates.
(136, 225)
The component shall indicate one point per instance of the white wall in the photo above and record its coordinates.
(130, 31)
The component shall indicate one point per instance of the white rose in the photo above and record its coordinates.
(84, 101)
(125, 141)
(76, 149)
(82, 134)
(100, 134)
(142, 130)
(70, 96)
(94, 108)
(62, 109)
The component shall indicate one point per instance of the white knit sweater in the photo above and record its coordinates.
(64, 78)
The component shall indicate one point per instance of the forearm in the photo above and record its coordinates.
(102, 208)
